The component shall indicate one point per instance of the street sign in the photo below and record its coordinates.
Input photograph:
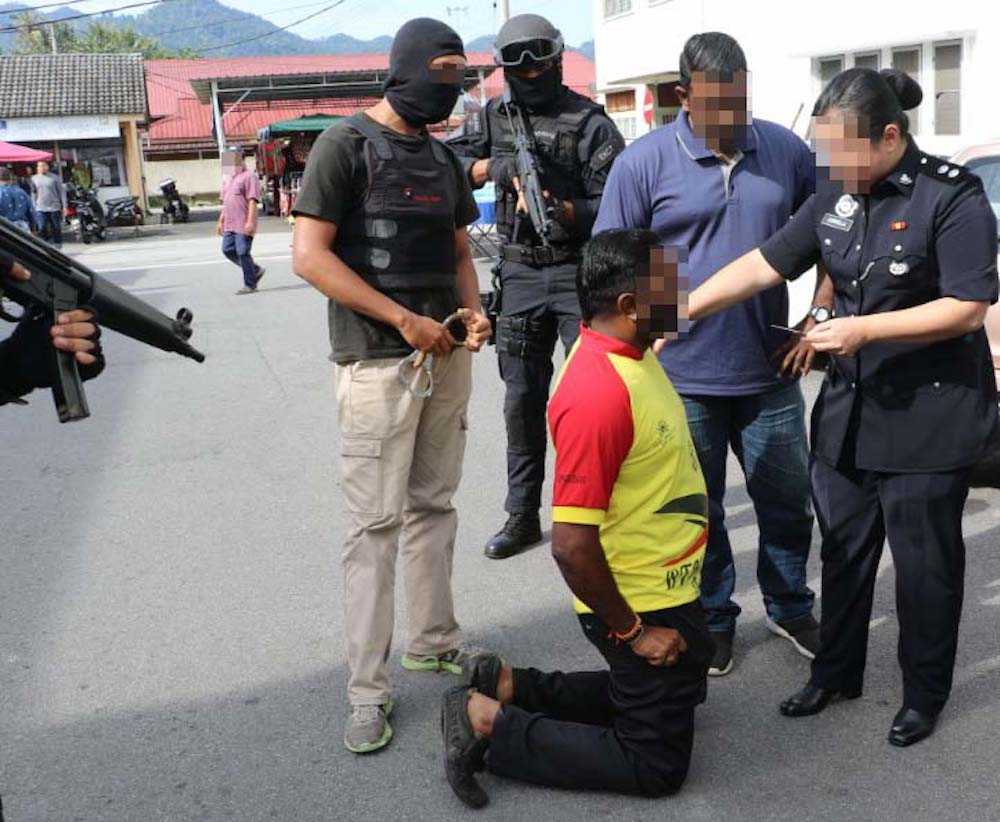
(648, 108)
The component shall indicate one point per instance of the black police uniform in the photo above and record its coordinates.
(897, 426)
(577, 143)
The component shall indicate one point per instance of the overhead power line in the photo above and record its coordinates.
(276, 31)
(81, 16)
(244, 16)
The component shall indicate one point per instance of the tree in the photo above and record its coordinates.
(37, 34)
(97, 38)
(105, 38)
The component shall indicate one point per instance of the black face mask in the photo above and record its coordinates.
(539, 93)
(417, 93)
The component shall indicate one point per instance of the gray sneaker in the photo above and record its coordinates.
(456, 661)
(368, 728)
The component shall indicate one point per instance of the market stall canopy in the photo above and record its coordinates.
(311, 122)
(13, 153)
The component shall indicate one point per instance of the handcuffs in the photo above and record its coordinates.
(420, 362)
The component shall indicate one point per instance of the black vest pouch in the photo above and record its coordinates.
(404, 236)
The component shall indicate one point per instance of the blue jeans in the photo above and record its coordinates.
(767, 432)
(236, 247)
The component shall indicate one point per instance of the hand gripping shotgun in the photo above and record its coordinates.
(58, 284)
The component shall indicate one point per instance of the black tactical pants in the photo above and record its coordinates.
(539, 306)
(628, 729)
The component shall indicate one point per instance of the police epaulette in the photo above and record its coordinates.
(942, 170)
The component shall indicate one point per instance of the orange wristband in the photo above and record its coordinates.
(633, 634)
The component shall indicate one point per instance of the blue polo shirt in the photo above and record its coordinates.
(671, 182)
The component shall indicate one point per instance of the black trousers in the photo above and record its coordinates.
(629, 729)
(922, 516)
(51, 226)
(547, 297)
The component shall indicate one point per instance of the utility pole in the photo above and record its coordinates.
(504, 10)
(52, 37)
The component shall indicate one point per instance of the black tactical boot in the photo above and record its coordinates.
(520, 531)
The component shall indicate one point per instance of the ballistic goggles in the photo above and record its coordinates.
(532, 50)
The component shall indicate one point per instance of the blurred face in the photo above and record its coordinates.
(43, 167)
(718, 107)
(849, 157)
(529, 70)
(449, 69)
(659, 306)
(232, 161)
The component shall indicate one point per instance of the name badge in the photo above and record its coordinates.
(839, 223)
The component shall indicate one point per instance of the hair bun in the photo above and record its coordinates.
(906, 89)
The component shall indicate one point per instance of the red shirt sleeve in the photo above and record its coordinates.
(590, 417)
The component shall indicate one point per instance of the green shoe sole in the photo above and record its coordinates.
(431, 665)
(412, 663)
(382, 741)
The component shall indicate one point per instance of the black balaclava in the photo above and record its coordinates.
(416, 93)
(540, 93)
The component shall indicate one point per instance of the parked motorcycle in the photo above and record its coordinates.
(175, 210)
(85, 214)
(124, 211)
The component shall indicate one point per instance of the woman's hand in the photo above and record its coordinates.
(843, 336)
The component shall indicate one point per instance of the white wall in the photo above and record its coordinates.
(782, 38)
(192, 176)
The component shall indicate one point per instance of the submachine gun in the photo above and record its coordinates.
(59, 283)
(540, 209)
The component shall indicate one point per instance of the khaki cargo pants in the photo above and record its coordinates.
(402, 462)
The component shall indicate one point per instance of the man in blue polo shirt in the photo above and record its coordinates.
(720, 183)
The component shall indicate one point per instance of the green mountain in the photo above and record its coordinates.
(215, 30)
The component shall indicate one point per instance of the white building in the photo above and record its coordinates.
(794, 46)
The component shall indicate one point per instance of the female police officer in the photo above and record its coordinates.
(909, 399)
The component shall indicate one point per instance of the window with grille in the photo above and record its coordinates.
(908, 60)
(627, 126)
(948, 88)
(615, 7)
(872, 61)
(829, 67)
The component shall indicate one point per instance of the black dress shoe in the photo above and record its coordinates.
(464, 752)
(910, 726)
(811, 700)
(519, 532)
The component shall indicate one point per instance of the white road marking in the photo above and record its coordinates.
(183, 264)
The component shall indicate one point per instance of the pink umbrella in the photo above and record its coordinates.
(11, 153)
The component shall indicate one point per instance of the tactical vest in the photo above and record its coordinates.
(404, 235)
(557, 137)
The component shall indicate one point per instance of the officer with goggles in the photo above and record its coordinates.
(575, 143)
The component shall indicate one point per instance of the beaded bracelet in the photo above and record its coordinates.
(632, 635)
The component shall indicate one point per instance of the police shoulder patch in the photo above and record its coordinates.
(942, 170)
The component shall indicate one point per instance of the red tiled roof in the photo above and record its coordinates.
(180, 122)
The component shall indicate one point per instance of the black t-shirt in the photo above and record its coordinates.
(334, 186)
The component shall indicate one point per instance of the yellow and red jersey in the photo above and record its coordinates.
(625, 462)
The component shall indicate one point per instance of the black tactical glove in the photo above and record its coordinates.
(502, 171)
(26, 357)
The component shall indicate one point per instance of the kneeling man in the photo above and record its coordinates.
(629, 535)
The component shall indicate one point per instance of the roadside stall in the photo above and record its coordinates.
(282, 152)
(21, 160)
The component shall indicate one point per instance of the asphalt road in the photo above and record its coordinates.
(170, 605)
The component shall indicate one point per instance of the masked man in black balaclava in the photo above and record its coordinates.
(380, 231)
(576, 144)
